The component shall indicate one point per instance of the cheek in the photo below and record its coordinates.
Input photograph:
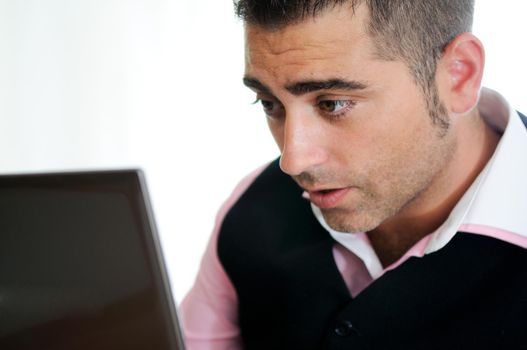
(385, 146)
(401, 126)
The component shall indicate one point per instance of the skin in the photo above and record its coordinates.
(345, 119)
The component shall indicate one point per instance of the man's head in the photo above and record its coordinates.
(414, 31)
(354, 98)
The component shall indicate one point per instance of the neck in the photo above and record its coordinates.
(423, 215)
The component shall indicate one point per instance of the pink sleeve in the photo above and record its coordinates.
(209, 312)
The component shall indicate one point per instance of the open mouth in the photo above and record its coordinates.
(328, 198)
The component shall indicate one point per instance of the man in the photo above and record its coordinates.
(394, 216)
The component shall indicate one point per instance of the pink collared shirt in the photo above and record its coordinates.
(493, 206)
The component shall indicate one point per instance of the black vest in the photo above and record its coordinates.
(472, 294)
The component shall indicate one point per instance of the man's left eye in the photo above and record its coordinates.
(332, 106)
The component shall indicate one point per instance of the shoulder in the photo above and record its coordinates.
(271, 199)
(260, 187)
(264, 194)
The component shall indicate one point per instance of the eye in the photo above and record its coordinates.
(271, 108)
(335, 107)
(267, 105)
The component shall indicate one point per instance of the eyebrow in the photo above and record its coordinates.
(256, 85)
(304, 87)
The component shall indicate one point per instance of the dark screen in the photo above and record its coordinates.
(78, 269)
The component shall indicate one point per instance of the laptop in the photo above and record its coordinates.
(81, 265)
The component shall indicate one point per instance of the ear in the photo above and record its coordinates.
(460, 71)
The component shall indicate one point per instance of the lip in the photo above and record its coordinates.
(327, 199)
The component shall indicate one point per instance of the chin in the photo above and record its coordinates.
(350, 223)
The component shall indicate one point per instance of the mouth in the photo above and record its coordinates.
(327, 198)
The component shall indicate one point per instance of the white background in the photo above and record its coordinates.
(156, 84)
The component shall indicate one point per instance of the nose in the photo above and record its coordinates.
(302, 144)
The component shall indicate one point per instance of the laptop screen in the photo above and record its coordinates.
(80, 265)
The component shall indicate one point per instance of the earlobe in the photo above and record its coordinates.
(464, 58)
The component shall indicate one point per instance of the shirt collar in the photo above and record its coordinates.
(496, 199)
(499, 193)
(502, 199)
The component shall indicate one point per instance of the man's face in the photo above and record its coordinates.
(353, 129)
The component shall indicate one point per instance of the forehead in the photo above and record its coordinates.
(335, 39)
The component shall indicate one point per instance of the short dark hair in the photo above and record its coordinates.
(415, 31)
